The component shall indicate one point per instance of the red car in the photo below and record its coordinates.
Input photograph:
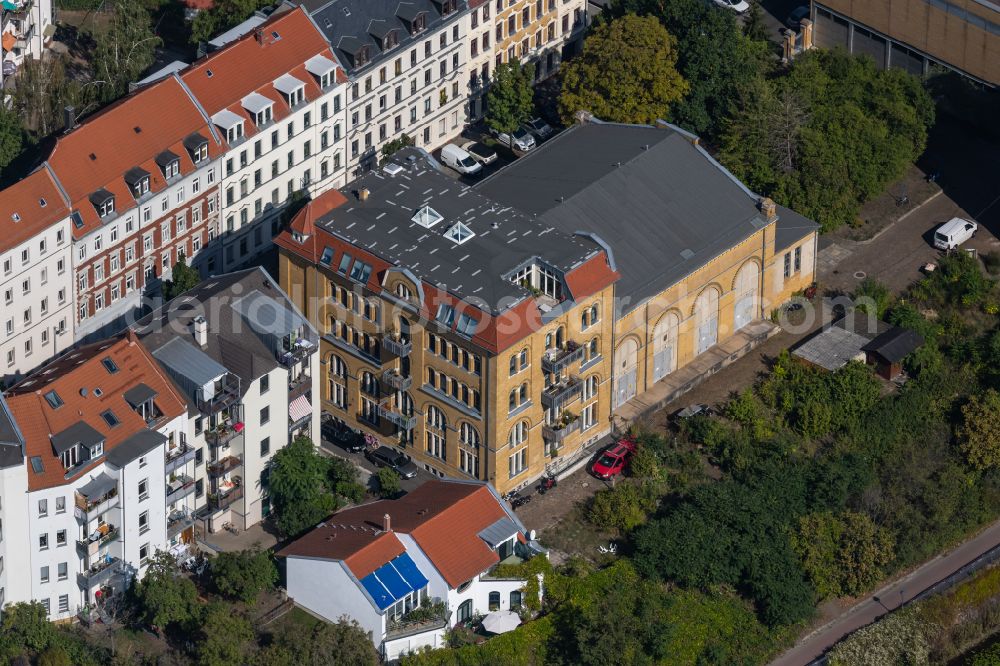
(612, 462)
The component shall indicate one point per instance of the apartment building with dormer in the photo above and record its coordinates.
(141, 180)
(246, 362)
(277, 97)
(407, 71)
(36, 276)
(95, 463)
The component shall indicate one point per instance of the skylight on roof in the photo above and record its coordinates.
(53, 399)
(459, 233)
(109, 365)
(427, 217)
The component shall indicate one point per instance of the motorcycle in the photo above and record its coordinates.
(516, 500)
(548, 482)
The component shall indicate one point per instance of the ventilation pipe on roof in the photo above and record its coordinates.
(69, 118)
(199, 326)
(768, 208)
(386, 523)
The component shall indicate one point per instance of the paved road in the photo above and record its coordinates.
(889, 598)
(367, 469)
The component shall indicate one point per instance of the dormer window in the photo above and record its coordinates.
(260, 107)
(291, 88)
(323, 69)
(296, 96)
(448, 6)
(263, 117)
(170, 163)
(390, 41)
(104, 202)
(362, 56)
(197, 147)
(419, 24)
(235, 133)
(138, 181)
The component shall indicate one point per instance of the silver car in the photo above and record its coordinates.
(521, 139)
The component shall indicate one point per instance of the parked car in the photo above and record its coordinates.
(954, 232)
(738, 6)
(459, 160)
(539, 128)
(612, 462)
(795, 18)
(384, 456)
(480, 152)
(521, 139)
(343, 436)
(692, 410)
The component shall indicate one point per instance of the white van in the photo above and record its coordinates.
(953, 233)
(459, 160)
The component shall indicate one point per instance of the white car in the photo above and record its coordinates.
(954, 232)
(521, 140)
(480, 152)
(738, 6)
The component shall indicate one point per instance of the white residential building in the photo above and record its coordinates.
(247, 362)
(434, 547)
(277, 97)
(36, 276)
(86, 491)
(407, 71)
(25, 28)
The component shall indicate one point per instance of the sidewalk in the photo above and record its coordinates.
(890, 597)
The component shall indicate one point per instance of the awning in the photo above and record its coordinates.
(8, 40)
(393, 580)
(139, 394)
(9, 5)
(299, 409)
(99, 486)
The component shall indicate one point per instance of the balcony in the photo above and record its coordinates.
(365, 355)
(298, 351)
(299, 385)
(177, 522)
(178, 457)
(88, 510)
(562, 392)
(559, 432)
(431, 616)
(98, 574)
(223, 434)
(226, 465)
(396, 381)
(554, 361)
(104, 535)
(226, 393)
(398, 419)
(396, 346)
(179, 487)
(220, 501)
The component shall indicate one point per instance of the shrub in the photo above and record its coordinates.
(388, 482)
(896, 639)
(619, 508)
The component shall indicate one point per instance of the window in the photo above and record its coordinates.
(143, 489)
(517, 397)
(265, 415)
(788, 264)
(518, 434)
(43, 542)
(445, 315)
(44, 575)
(798, 259)
(143, 553)
(143, 522)
(265, 446)
(63, 601)
(60, 505)
(517, 462)
(61, 538)
(43, 508)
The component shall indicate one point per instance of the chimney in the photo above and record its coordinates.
(200, 329)
(69, 118)
(386, 523)
(768, 208)
(259, 35)
(363, 194)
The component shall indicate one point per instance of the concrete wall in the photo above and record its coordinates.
(327, 589)
(15, 516)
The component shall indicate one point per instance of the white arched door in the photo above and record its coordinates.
(706, 317)
(745, 304)
(626, 363)
(665, 346)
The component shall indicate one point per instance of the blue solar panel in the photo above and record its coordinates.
(393, 581)
(377, 591)
(409, 571)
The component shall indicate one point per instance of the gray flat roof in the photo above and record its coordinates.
(832, 348)
(139, 394)
(504, 237)
(663, 204)
(185, 359)
(138, 444)
(267, 315)
(791, 228)
(98, 486)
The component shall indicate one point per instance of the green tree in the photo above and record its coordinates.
(754, 26)
(388, 482)
(182, 278)
(223, 15)
(872, 297)
(11, 136)
(843, 554)
(343, 480)
(627, 73)
(509, 98)
(394, 146)
(341, 643)
(165, 597)
(54, 656)
(224, 637)
(244, 574)
(979, 432)
(39, 97)
(25, 627)
(124, 50)
(619, 508)
(298, 487)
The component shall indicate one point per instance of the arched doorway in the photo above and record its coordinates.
(745, 303)
(626, 364)
(706, 319)
(665, 346)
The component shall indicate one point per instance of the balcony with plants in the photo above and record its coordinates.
(565, 425)
(430, 616)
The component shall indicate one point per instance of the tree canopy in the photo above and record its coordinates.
(221, 16)
(843, 554)
(182, 278)
(509, 97)
(627, 73)
(124, 50)
(298, 487)
(165, 597)
(979, 432)
(244, 574)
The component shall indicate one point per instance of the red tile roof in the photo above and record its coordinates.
(252, 63)
(83, 369)
(443, 517)
(130, 133)
(24, 199)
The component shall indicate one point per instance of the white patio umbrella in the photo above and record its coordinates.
(500, 622)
